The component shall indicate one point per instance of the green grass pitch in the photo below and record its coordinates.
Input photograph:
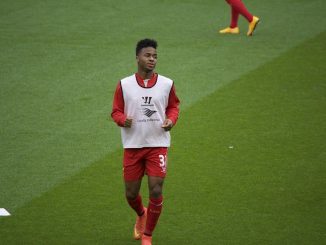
(247, 162)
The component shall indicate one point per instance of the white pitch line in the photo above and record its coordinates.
(4, 212)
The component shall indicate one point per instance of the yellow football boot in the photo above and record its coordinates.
(146, 240)
(252, 25)
(230, 30)
(139, 227)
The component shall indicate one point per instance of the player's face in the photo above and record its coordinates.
(147, 58)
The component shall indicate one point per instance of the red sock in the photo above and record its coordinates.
(238, 6)
(153, 213)
(234, 17)
(137, 205)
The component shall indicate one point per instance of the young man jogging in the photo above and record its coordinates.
(146, 107)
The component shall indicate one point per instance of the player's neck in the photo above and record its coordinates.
(145, 75)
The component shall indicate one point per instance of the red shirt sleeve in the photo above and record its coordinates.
(172, 110)
(118, 105)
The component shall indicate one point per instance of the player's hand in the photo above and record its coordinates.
(167, 124)
(128, 123)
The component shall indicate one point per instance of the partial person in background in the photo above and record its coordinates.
(237, 8)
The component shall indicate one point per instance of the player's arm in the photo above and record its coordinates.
(117, 113)
(172, 110)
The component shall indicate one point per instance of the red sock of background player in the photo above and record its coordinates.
(234, 18)
(153, 213)
(137, 205)
(241, 9)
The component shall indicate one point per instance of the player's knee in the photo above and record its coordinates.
(156, 191)
(130, 195)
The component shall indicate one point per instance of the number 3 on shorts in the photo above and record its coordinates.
(163, 162)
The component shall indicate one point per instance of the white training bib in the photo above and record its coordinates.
(146, 106)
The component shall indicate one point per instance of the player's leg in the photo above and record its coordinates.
(233, 28)
(154, 209)
(133, 171)
(135, 202)
(155, 185)
(133, 197)
(234, 18)
(239, 6)
(156, 167)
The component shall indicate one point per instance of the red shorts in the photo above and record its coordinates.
(139, 161)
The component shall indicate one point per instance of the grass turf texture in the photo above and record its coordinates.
(268, 189)
(58, 73)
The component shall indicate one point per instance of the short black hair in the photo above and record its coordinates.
(145, 43)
